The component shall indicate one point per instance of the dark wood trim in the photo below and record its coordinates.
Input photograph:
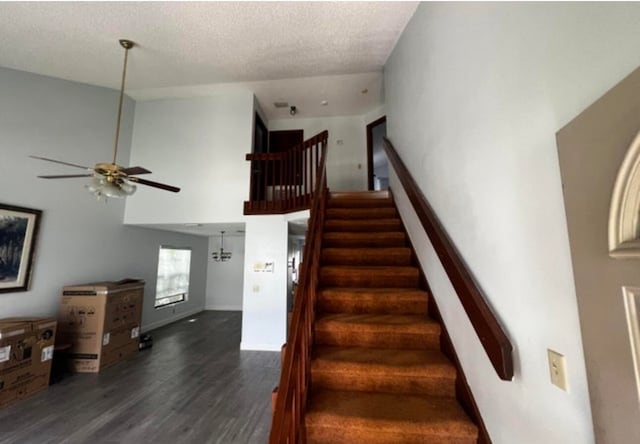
(264, 140)
(370, 127)
(464, 395)
(463, 392)
(491, 334)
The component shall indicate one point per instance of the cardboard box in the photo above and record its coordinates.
(26, 351)
(101, 321)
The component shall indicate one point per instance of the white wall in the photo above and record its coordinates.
(475, 93)
(346, 163)
(264, 305)
(225, 279)
(198, 144)
(374, 115)
(80, 240)
(265, 294)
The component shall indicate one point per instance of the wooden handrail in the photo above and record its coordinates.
(493, 338)
(266, 156)
(288, 418)
(283, 182)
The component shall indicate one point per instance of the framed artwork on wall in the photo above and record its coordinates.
(18, 234)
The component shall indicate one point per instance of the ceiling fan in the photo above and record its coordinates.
(111, 179)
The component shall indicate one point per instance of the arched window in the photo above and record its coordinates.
(624, 213)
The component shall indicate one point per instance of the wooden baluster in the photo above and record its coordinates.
(265, 181)
(295, 177)
(303, 191)
(314, 165)
(285, 165)
(281, 177)
(252, 193)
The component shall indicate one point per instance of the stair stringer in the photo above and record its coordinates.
(464, 394)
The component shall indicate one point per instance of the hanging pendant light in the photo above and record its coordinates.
(221, 256)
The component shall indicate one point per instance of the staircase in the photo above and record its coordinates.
(377, 372)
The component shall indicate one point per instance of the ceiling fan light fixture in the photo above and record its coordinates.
(101, 187)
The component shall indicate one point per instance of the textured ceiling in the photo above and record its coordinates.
(196, 43)
(342, 93)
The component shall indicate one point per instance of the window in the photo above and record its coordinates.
(172, 286)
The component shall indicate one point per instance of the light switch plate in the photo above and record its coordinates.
(558, 370)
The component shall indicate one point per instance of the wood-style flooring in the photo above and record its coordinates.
(193, 386)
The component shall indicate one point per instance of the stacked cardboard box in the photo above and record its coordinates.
(101, 321)
(26, 350)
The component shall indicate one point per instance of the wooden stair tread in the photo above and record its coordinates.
(360, 416)
(367, 361)
(391, 370)
(369, 195)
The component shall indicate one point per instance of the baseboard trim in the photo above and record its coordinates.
(177, 317)
(260, 347)
(224, 307)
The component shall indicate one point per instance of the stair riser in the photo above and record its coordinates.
(360, 203)
(344, 240)
(385, 383)
(358, 338)
(362, 226)
(361, 213)
(348, 278)
(334, 435)
(375, 304)
(350, 256)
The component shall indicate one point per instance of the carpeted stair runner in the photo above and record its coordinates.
(377, 372)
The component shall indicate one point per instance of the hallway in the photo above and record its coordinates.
(193, 386)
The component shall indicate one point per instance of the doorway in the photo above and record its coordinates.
(377, 163)
(284, 140)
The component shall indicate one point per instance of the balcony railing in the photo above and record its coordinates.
(284, 182)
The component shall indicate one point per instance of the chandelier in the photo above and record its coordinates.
(221, 256)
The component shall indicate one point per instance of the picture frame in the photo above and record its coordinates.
(18, 234)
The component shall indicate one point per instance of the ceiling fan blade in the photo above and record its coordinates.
(154, 184)
(63, 163)
(134, 171)
(65, 176)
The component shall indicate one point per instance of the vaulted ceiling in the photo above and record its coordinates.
(186, 48)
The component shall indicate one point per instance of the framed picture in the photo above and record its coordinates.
(18, 233)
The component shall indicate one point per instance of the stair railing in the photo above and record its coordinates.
(492, 336)
(283, 182)
(291, 399)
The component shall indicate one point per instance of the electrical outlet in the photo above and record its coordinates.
(256, 288)
(558, 370)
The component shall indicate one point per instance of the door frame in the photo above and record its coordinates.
(370, 127)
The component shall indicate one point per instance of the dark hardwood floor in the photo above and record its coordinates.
(193, 386)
